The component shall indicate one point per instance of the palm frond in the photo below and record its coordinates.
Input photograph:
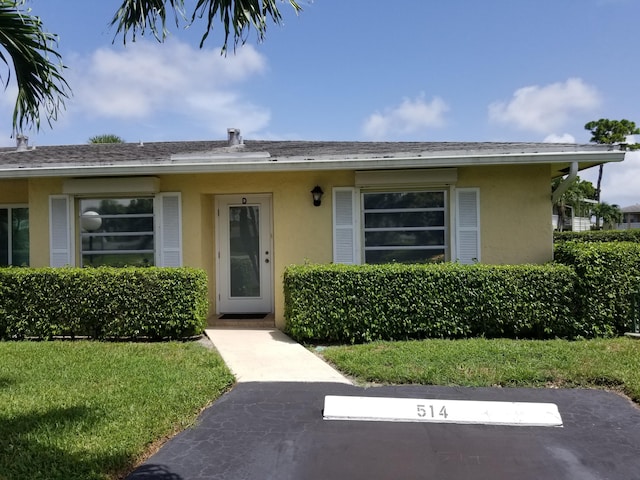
(36, 64)
(237, 17)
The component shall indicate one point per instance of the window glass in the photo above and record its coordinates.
(14, 236)
(244, 247)
(404, 219)
(20, 236)
(4, 237)
(405, 256)
(402, 238)
(405, 227)
(404, 200)
(117, 232)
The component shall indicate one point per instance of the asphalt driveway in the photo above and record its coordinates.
(276, 431)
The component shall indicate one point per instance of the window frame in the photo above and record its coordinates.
(445, 228)
(153, 252)
(10, 207)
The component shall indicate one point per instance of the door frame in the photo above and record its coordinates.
(266, 245)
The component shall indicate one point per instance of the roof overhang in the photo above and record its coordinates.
(559, 161)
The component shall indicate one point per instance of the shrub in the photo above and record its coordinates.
(598, 236)
(607, 274)
(103, 302)
(359, 303)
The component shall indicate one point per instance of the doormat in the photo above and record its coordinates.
(243, 316)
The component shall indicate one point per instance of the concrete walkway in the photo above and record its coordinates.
(268, 355)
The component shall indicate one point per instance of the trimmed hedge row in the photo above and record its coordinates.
(361, 303)
(632, 235)
(607, 274)
(155, 303)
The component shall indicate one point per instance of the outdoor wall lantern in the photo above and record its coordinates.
(317, 195)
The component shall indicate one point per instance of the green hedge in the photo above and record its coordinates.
(632, 235)
(607, 273)
(341, 303)
(106, 302)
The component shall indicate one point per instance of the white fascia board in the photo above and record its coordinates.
(298, 164)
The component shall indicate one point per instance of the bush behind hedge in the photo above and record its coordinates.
(632, 235)
(105, 302)
(607, 274)
(361, 303)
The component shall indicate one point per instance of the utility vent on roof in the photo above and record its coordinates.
(22, 143)
(234, 138)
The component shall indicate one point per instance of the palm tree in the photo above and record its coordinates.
(572, 198)
(610, 214)
(30, 50)
(106, 138)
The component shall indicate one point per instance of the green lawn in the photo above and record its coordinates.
(91, 410)
(613, 363)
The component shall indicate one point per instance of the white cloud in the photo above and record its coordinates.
(172, 80)
(545, 109)
(410, 117)
(620, 182)
(7, 103)
(564, 138)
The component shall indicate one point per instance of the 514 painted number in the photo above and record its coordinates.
(424, 410)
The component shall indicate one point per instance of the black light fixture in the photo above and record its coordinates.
(317, 195)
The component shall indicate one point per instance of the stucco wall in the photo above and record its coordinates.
(515, 212)
(39, 191)
(14, 191)
(514, 208)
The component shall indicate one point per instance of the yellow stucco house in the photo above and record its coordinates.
(243, 211)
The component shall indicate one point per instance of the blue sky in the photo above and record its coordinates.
(420, 70)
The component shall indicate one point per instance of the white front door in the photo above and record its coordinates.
(244, 259)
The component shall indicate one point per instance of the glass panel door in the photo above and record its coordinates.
(244, 268)
(244, 248)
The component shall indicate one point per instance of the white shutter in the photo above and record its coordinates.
(168, 230)
(467, 225)
(345, 225)
(61, 231)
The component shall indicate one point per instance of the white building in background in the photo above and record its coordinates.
(630, 217)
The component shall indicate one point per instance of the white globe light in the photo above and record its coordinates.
(90, 221)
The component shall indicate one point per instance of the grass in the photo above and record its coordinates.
(602, 363)
(90, 410)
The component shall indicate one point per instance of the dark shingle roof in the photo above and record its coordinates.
(162, 152)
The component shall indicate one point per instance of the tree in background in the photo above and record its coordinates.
(37, 65)
(106, 138)
(610, 132)
(573, 198)
(611, 215)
